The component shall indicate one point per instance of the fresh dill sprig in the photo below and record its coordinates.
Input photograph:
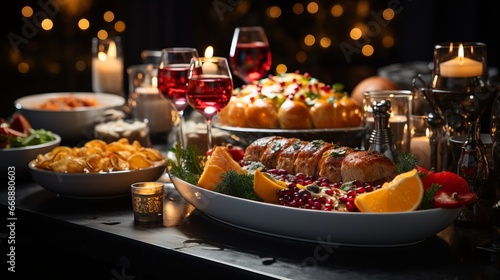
(187, 165)
(236, 184)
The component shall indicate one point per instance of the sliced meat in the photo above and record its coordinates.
(364, 166)
(309, 156)
(272, 152)
(331, 162)
(286, 159)
(255, 150)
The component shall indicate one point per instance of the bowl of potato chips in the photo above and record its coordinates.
(97, 169)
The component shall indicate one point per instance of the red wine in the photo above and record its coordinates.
(208, 94)
(251, 61)
(172, 83)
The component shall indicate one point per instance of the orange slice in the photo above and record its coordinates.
(403, 193)
(266, 187)
(219, 162)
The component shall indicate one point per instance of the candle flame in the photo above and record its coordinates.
(461, 53)
(102, 56)
(112, 50)
(209, 52)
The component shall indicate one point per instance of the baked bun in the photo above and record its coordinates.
(294, 115)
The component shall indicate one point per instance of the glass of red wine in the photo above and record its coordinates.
(210, 86)
(250, 55)
(172, 80)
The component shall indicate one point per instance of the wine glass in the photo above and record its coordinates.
(209, 89)
(172, 80)
(250, 55)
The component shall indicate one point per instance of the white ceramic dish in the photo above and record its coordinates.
(19, 157)
(349, 136)
(94, 185)
(72, 125)
(335, 228)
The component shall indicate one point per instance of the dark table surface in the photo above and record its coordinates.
(97, 239)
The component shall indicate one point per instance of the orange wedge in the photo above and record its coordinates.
(266, 187)
(403, 193)
(219, 162)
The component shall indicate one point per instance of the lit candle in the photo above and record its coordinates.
(420, 147)
(107, 71)
(209, 67)
(461, 66)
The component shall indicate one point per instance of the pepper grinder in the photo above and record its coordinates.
(381, 136)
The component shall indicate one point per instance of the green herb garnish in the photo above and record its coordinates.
(406, 162)
(239, 185)
(429, 197)
(187, 165)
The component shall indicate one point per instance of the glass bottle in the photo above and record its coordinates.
(473, 167)
(473, 164)
(381, 136)
(495, 136)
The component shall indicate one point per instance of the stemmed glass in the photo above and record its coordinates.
(173, 73)
(209, 89)
(250, 55)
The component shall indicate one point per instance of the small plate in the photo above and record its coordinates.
(94, 185)
(349, 136)
(334, 228)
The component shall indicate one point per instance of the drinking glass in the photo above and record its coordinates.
(250, 55)
(209, 89)
(172, 80)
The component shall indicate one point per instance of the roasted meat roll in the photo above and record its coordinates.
(272, 152)
(255, 150)
(331, 162)
(321, 159)
(364, 166)
(309, 156)
(287, 157)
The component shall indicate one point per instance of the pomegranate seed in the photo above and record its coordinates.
(351, 207)
(360, 190)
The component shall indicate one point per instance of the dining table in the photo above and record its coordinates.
(98, 239)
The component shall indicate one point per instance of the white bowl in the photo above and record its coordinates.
(72, 125)
(94, 185)
(17, 159)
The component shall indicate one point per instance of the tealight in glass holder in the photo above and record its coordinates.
(147, 202)
(460, 66)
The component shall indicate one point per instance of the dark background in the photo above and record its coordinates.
(155, 24)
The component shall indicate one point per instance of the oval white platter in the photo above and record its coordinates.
(325, 227)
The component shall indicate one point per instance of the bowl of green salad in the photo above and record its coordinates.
(20, 144)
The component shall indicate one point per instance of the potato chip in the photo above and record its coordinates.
(139, 160)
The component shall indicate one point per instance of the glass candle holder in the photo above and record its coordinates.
(147, 202)
(400, 119)
(460, 66)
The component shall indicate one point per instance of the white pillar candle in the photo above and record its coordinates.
(107, 71)
(461, 67)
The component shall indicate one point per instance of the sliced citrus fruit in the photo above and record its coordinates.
(266, 187)
(403, 193)
(219, 162)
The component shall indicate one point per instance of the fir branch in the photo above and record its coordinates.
(406, 162)
(187, 165)
(236, 184)
(429, 197)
